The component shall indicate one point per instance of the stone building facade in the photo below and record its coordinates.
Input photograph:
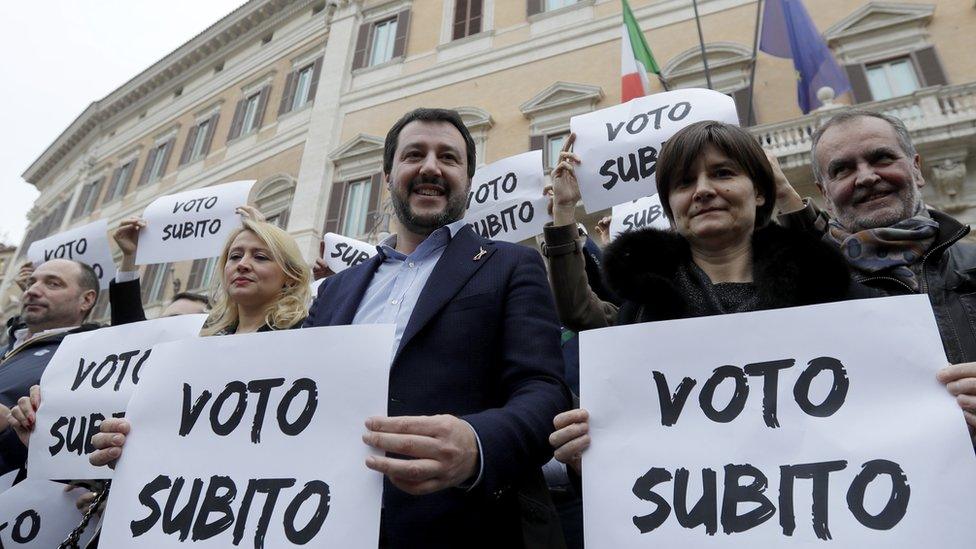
(299, 95)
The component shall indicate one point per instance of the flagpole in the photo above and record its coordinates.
(755, 53)
(701, 42)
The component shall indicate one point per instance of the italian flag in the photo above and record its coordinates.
(636, 59)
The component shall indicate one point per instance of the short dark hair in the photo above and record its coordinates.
(428, 115)
(844, 116)
(681, 151)
(88, 280)
(190, 296)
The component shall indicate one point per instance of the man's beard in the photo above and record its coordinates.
(911, 203)
(418, 224)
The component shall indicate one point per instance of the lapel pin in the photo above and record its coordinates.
(481, 253)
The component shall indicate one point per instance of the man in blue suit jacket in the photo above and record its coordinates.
(476, 372)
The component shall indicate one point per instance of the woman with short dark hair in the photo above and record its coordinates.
(718, 190)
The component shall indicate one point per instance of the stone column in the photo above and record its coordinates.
(315, 174)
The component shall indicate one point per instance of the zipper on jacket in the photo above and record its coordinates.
(962, 232)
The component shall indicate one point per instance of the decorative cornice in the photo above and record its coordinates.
(561, 94)
(357, 146)
(892, 14)
(225, 34)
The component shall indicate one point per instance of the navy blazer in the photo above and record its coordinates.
(482, 343)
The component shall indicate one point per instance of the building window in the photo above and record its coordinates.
(88, 199)
(156, 163)
(201, 273)
(357, 203)
(892, 78)
(354, 206)
(274, 200)
(381, 41)
(120, 181)
(154, 282)
(554, 145)
(384, 34)
(199, 139)
(467, 18)
(249, 113)
(300, 87)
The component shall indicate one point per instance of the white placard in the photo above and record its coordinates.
(618, 146)
(87, 244)
(40, 514)
(342, 252)
(276, 412)
(89, 379)
(191, 225)
(7, 480)
(506, 200)
(637, 214)
(838, 400)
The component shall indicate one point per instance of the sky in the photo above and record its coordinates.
(58, 56)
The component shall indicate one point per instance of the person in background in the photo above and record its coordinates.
(718, 190)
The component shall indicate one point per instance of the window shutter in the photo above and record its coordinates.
(113, 187)
(403, 26)
(537, 142)
(167, 152)
(191, 139)
(288, 94)
(211, 129)
(534, 6)
(149, 279)
(238, 121)
(928, 64)
(375, 204)
(460, 19)
(334, 215)
(195, 279)
(262, 106)
(362, 45)
(148, 166)
(93, 195)
(859, 82)
(313, 86)
(741, 98)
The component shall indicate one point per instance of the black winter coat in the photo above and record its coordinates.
(790, 268)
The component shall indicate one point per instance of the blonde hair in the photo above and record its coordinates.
(290, 307)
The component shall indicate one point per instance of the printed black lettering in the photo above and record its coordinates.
(191, 412)
(735, 493)
(671, 406)
(838, 390)
(705, 510)
(263, 388)
(271, 487)
(234, 388)
(641, 123)
(181, 521)
(769, 371)
(614, 131)
(301, 536)
(817, 472)
(644, 490)
(18, 535)
(897, 505)
(657, 116)
(679, 111)
(213, 503)
(509, 183)
(146, 499)
(736, 403)
(310, 389)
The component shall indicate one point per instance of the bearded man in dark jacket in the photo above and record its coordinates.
(870, 175)
(59, 296)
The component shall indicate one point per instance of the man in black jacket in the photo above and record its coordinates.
(59, 296)
(869, 172)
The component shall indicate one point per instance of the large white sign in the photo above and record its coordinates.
(342, 252)
(506, 200)
(191, 225)
(90, 378)
(637, 214)
(618, 146)
(254, 437)
(40, 514)
(777, 428)
(87, 244)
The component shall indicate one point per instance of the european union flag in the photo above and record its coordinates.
(787, 31)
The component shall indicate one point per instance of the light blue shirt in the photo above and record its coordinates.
(396, 287)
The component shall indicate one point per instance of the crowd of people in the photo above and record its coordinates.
(483, 385)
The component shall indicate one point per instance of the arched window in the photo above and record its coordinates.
(728, 67)
(274, 198)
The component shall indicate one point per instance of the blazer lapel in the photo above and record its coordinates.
(455, 267)
(352, 290)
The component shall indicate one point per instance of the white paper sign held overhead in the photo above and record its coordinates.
(88, 380)
(87, 244)
(638, 214)
(618, 146)
(342, 252)
(506, 201)
(191, 225)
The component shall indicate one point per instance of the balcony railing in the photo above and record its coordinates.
(925, 112)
